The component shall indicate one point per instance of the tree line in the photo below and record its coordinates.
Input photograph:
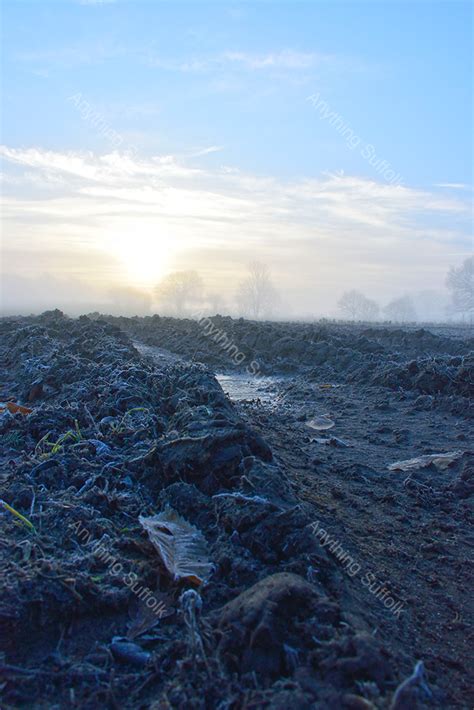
(182, 293)
(354, 305)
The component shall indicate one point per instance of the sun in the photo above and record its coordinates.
(145, 255)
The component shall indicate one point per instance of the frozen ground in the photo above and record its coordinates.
(333, 575)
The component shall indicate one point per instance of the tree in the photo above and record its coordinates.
(256, 295)
(216, 303)
(179, 290)
(401, 310)
(370, 310)
(460, 282)
(357, 306)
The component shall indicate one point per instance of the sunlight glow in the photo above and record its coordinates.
(145, 254)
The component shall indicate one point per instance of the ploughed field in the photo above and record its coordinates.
(167, 545)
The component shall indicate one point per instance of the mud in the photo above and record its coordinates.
(311, 537)
(438, 363)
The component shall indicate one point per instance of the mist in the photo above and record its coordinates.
(23, 295)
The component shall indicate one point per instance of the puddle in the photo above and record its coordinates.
(238, 387)
(242, 387)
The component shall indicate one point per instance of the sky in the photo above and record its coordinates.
(330, 140)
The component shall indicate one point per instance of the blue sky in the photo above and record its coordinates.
(205, 108)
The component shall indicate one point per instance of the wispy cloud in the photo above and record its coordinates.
(235, 60)
(454, 185)
(75, 54)
(285, 59)
(347, 198)
(154, 213)
(206, 151)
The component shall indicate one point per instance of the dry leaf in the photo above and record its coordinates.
(14, 408)
(441, 461)
(320, 423)
(181, 546)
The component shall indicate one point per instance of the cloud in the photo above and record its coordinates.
(285, 59)
(454, 185)
(229, 61)
(112, 167)
(75, 54)
(142, 180)
(153, 214)
(206, 151)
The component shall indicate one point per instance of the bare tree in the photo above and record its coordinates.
(179, 290)
(357, 306)
(370, 310)
(256, 295)
(401, 310)
(215, 302)
(460, 282)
